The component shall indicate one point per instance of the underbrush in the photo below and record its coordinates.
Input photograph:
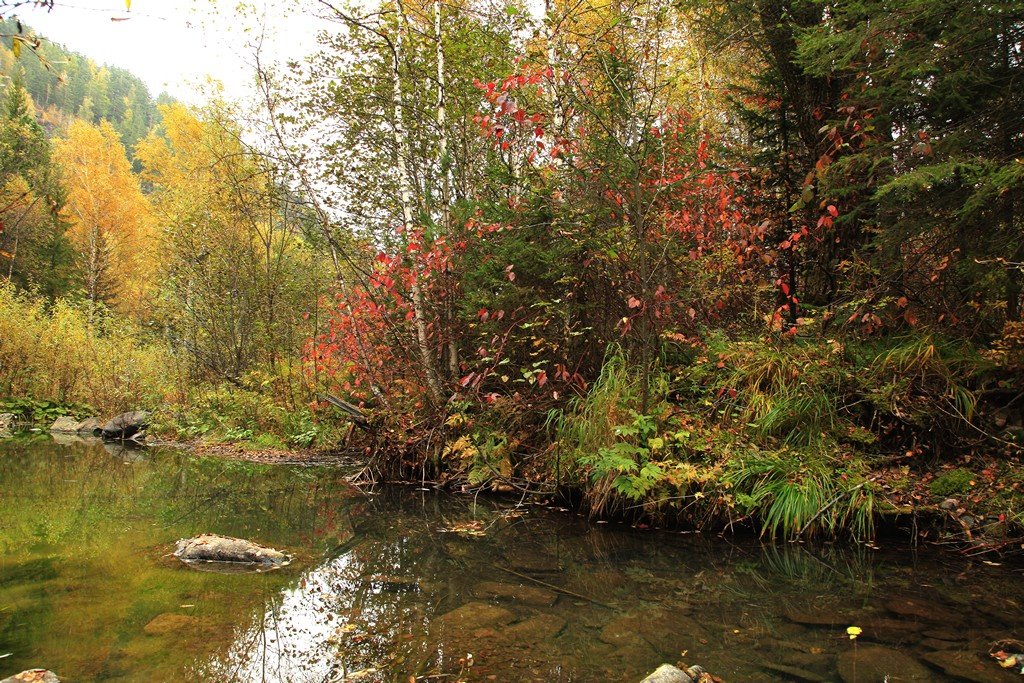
(84, 360)
(68, 358)
(264, 410)
(782, 435)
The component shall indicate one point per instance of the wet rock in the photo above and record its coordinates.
(65, 425)
(922, 610)
(795, 673)
(622, 631)
(126, 425)
(536, 629)
(528, 595)
(214, 548)
(863, 663)
(889, 631)
(936, 644)
(944, 634)
(90, 426)
(33, 676)
(473, 616)
(969, 666)
(672, 632)
(666, 673)
(818, 617)
(170, 623)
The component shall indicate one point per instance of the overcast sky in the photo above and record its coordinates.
(173, 45)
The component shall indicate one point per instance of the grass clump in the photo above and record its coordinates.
(794, 493)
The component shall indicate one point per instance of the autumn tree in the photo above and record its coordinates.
(241, 264)
(111, 221)
(34, 251)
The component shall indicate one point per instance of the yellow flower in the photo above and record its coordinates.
(853, 632)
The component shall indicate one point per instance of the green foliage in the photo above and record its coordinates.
(796, 492)
(955, 481)
(44, 412)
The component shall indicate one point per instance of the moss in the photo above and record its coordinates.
(958, 480)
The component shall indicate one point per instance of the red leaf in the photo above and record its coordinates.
(785, 288)
(833, 210)
(467, 379)
(542, 378)
(634, 302)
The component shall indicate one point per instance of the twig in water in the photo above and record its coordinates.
(554, 587)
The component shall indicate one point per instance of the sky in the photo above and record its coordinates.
(174, 45)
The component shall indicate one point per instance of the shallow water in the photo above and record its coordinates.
(87, 587)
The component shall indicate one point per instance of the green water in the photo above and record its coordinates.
(88, 589)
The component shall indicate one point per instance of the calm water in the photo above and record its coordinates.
(405, 583)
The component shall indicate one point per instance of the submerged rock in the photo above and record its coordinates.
(528, 595)
(473, 616)
(126, 425)
(969, 666)
(536, 629)
(876, 663)
(170, 623)
(33, 676)
(666, 673)
(795, 673)
(229, 550)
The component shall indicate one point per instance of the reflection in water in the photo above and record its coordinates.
(404, 583)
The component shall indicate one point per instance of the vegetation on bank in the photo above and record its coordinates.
(711, 263)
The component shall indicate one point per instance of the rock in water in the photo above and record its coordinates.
(213, 548)
(876, 663)
(33, 676)
(65, 425)
(126, 425)
(666, 673)
(90, 425)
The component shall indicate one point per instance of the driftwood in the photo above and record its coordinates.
(354, 412)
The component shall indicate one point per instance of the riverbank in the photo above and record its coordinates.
(972, 505)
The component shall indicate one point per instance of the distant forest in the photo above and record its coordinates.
(72, 84)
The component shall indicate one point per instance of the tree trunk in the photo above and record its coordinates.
(405, 193)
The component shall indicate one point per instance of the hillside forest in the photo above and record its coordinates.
(748, 263)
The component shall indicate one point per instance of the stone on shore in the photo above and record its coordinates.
(214, 548)
(90, 426)
(126, 425)
(65, 425)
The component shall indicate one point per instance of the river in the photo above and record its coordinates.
(396, 582)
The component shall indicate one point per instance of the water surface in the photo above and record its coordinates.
(401, 582)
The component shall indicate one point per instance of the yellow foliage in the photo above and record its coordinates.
(112, 224)
(58, 354)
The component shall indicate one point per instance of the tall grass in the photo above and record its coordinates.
(61, 352)
(801, 493)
